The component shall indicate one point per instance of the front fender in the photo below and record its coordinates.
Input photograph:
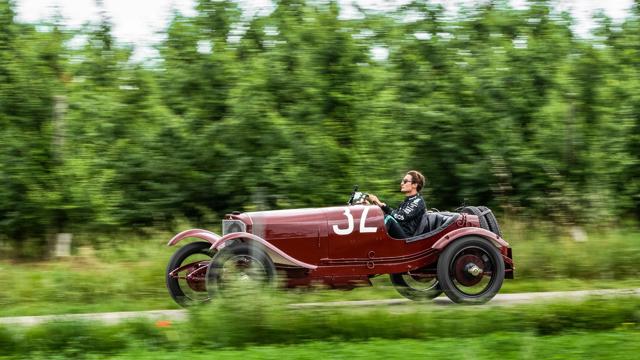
(496, 240)
(207, 235)
(278, 256)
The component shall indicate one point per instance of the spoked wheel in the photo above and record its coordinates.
(471, 270)
(186, 273)
(239, 266)
(418, 287)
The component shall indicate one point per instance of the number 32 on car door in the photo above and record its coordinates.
(350, 223)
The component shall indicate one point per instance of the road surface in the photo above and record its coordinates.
(177, 315)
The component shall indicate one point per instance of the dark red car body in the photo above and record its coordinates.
(342, 246)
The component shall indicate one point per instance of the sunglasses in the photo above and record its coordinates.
(406, 181)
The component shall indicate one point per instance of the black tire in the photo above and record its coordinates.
(491, 220)
(413, 288)
(178, 288)
(475, 211)
(238, 261)
(456, 264)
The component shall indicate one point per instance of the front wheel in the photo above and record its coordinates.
(471, 270)
(186, 272)
(417, 287)
(239, 266)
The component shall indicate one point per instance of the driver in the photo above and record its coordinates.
(403, 221)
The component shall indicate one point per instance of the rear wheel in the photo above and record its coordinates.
(239, 266)
(471, 270)
(418, 287)
(186, 272)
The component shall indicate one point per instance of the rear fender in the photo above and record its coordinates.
(278, 256)
(196, 233)
(496, 240)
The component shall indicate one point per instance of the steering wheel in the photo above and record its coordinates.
(357, 197)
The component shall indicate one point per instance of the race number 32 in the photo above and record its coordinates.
(350, 223)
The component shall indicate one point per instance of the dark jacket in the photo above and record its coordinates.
(409, 213)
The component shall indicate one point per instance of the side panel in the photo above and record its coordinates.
(372, 248)
(354, 231)
(382, 254)
(301, 233)
(349, 241)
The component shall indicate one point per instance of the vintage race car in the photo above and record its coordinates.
(459, 253)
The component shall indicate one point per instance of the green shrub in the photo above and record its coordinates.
(8, 341)
(143, 333)
(244, 320)
(258, 318)
(73, 338)
(593, 314)
(242, 317)
(605, 255)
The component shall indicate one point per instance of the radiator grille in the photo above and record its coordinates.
(231, 226)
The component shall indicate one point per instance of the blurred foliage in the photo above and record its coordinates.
(498, 106)
(255, 318)
(8, 342)
(621, 345)
(72, 339)
(595, 345)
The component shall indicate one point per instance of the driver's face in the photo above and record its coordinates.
(406, 184)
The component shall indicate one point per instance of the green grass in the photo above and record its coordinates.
(607, 255)
(593, 345)
(129, 275)
(257, 319)
(248, 321)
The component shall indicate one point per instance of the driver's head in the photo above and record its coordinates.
(416, 180)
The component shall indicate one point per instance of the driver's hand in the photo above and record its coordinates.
(374, 199)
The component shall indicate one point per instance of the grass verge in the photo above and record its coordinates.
(257, 319)
(620, 345)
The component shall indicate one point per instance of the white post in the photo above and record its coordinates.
(63, 244)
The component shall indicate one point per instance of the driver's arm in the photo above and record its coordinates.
(374, 199)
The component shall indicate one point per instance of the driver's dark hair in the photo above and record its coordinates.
(417, 178)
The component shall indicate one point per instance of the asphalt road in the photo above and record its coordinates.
(177, 315)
